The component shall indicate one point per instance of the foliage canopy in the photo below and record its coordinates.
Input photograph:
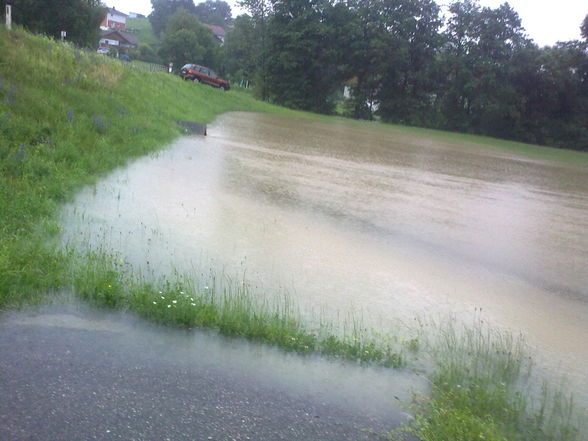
(79, 18)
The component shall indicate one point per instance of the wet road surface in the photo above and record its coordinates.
(70, 374)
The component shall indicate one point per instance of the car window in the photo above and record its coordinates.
(212, 74)
(186, 66)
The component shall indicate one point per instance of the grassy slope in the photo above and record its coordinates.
(66, 118)
(142, 29)
(76, 116)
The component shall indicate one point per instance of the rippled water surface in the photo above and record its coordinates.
(346, 217)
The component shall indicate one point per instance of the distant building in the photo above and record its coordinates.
(114, 20)
(217, 31)
(135, 15)
(117, 42)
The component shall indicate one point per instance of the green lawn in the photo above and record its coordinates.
(141, 28)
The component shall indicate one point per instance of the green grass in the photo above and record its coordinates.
(76, 117)
(230, 307)
(483, 387)
(68, 117)
(141, 28)
(529, 150)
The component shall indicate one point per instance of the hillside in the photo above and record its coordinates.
(71, 118)
(142, 29)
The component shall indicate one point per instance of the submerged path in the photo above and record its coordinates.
(65, 375)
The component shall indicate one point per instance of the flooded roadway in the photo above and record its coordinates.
(348, 218)
(79, 374)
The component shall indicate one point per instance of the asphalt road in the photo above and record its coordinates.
(67, 374)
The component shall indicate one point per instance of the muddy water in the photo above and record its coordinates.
(348, 218)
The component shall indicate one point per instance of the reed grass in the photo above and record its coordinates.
(483, 386)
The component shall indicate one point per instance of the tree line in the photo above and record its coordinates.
(473, 71)
(469, 68)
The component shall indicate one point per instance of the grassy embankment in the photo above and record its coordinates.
(67, 118)
(141, 28)
(77, 116)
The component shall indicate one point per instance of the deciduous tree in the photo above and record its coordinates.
(216, 12)
(186, 40)
(241, 49)
(164, 9)
(304, 54)
(79, 18)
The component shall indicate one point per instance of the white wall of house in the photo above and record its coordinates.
(106, 41)
(117, 18)
(114, 20)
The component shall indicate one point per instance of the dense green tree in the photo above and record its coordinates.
(555, 94)
(411, 43)
(216, 12)
(260, 12)
(241, 49)
(303, 54)
(186, 40)
(477, 94)
(79, 18)
(584, 28)
(164, 9)
(364, 53)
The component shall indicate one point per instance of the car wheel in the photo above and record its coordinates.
(223, 88)
(196, 80)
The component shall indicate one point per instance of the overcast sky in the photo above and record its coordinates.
(545, 21)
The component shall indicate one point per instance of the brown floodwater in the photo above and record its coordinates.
(382, 223)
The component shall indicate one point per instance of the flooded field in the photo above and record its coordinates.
(350, 219)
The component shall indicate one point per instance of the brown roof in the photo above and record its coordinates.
(129, 38)
(216, 30)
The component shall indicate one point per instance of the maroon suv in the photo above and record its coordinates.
(201, 74)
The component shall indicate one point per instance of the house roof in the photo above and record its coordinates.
(218, 31)
(114, 11)
(123, 36)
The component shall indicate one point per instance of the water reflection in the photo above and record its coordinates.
(347, 217)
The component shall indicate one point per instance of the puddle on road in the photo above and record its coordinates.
(370, 392)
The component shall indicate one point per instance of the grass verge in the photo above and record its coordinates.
(227, 306)
(483, 388)
(67, 117)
